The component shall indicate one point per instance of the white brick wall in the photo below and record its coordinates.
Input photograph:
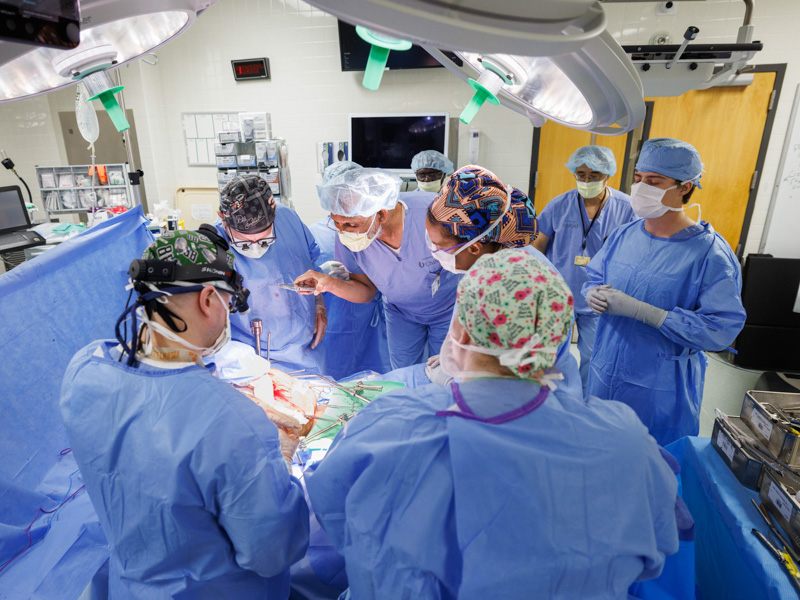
(309, 97)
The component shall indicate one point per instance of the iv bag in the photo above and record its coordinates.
(87, 118)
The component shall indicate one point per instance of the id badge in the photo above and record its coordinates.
(582, 261)
(436, 283)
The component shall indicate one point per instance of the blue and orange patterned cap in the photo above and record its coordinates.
(473, 198)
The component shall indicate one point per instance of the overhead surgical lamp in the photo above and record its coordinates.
(547, 59)
(113, 32)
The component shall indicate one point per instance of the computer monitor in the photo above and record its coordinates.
(389, 141)
(13, 214)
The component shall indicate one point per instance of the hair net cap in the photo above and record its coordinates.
(360, 192)
(671, 157)
(247, 204)
(431, 159)
(509, 300)
(338, 168)
(597, 158)
(473, 198)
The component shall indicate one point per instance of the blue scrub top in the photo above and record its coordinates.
(696, 278)
(572, 500)
(405, 280)
(287, 315)
(561, 222)
(187, 478)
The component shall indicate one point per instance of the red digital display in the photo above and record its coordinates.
(256, 68)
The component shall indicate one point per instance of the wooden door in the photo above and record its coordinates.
(556, 144)
(726, 125)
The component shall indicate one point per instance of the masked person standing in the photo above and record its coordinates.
(573, 228)
(273, 246)
(667, 288)
(188, 476)
(381, 242)
(431, 168)
(497, 486)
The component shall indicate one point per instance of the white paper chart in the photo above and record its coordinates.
(200, 131)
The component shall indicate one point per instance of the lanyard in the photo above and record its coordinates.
(597, 214)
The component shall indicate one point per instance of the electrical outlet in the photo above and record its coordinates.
(666, 8)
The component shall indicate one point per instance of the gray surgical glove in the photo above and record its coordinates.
(435, 373)
(335, 269)
(622, 305)
(596, 299)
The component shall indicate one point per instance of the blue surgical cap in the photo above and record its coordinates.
(338, 168)
(360, 192)
(671, 157)
(431, 159)
(597, 158)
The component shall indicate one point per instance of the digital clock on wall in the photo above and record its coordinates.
(251, 68)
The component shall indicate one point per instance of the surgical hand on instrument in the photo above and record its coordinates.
(319, 281)
(596, 299)
(320, 321)
(335, 269)
(435, 372)
(623, 305)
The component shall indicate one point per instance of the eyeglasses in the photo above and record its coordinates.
(264, 242)
(433, 248)
(331, 224)
(430, 176)
(591, 177)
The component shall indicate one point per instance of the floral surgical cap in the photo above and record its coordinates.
(511, 301)
(472, 198)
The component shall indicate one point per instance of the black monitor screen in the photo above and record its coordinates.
(354, 53)
(391, 142)
(12, 209)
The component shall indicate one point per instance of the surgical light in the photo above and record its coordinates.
(113, 32)
(547, 59)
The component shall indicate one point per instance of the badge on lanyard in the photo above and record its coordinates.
(582, 261)
(436, 283)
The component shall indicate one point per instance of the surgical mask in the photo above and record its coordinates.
(447, 260)
(591, 189)
(646, 201)
(356, 242)
(430, 186)
(222, 339)
(451, 358)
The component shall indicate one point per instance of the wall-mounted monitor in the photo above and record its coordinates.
(389, 141)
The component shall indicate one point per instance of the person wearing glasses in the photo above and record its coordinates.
(573, 228)
(381, 242)
(431, 168)
(273, 246)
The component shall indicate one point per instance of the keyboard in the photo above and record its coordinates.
(15, 239)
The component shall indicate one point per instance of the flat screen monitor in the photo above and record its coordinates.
(13, 214)
(354, 52)
(49, 23)
(390, 141)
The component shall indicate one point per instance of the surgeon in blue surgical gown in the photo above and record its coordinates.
(187, 475)
(272, 246)
(667, 288)
(497, 487)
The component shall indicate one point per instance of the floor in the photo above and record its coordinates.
(724, 388)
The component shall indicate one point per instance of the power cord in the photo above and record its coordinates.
(9, 164)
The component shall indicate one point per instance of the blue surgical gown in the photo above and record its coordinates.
(659, 373)
(417, 320)
(572, 500)
(187, 478)
(564, 221)
(356, 337)
(288, 316)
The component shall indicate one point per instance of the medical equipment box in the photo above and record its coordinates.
(778, 495)
(224, 149)
(747, 467)
(768, 414)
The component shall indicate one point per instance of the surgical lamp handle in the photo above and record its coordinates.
(689, 35)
